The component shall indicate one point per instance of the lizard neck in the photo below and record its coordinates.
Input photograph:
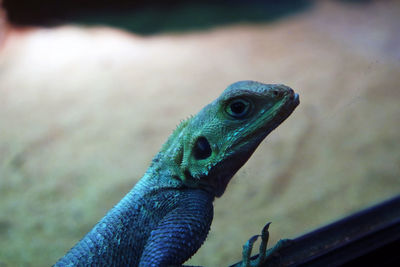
(120, 236)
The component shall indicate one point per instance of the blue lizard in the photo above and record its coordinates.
(166, 217)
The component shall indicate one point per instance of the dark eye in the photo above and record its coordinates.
(238, 108)
(202, 148)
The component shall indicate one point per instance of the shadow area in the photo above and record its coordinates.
(150, 17)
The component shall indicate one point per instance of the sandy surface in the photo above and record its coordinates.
(83, 111)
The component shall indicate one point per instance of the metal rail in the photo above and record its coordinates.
(370, 237)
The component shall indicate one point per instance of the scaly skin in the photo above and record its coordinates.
(165, 218)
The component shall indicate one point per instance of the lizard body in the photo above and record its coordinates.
(166, 217)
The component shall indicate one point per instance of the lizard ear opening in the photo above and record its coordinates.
(202, 148)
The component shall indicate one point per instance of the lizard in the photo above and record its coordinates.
(166, 216)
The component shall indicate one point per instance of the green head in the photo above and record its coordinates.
(208, 149)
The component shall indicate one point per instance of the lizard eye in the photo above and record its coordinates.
(202, 148)
(238, 108)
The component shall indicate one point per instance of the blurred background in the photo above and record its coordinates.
(90, 90)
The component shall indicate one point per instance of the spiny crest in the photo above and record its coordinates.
(182, 124)
(175, 133)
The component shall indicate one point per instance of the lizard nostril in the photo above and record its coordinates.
(278, 93)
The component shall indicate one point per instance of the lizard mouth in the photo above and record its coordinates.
(292, 103)
(293, 97)
(296, 99)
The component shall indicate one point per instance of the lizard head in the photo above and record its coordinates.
(209, 148)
